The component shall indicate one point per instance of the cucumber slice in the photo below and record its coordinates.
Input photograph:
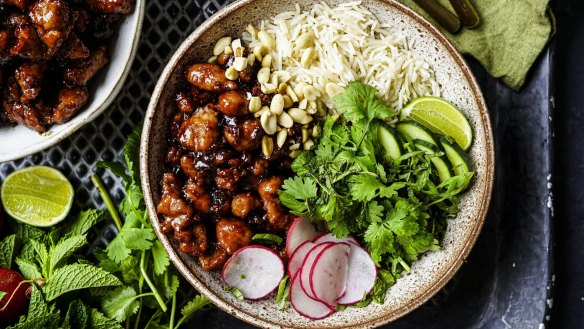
(441, 166)
(456, 156)
(416, 131)
(387, 138)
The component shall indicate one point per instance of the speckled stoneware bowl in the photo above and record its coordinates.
(433, 270)
(18, 141)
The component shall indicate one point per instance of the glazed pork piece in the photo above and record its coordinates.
(52, 49)
(217, 175)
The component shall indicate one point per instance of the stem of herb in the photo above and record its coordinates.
(172, 312)
(140, 285)
(149, 282)
(152, 319)
(107, 200)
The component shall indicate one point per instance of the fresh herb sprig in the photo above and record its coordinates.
(131, 284)
(394, 207)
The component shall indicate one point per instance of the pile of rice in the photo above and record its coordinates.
(350, 45)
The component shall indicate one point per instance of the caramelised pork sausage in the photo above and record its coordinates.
(171, 205)
(111, 6)
(213, 259)
(197, 195)
(233, 234)
(29, 76)
(69, 101)
(193, 242)
(209, 77)
(27, 43)
(52, 20)
(201, 130)
(80, 72)
(245, 136)
(244, 203)
(277, 215)
(233, 103)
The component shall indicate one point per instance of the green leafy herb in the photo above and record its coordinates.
(267, 238)
(2, 294)
(7, 247)
(235, 292)
(395, 207)
(131, 282)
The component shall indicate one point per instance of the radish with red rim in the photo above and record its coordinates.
(305, 305)
(360, 278)
(300, 231)
(297, 258)
(304, 271)
(256, 271)
(329, 237)
(328, 275)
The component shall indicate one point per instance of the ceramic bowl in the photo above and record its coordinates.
(427, 275)
(19, 141)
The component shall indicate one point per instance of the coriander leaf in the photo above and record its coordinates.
(138, 238)
(132, 154)
(98, 320)
(160, 260)
(130, 268)
(235, 292)
(289, 201)
(116, 168)
(84, 221)
(104, 262)
(167, 285)
(77, 276)
(359, 102)
(7, 251)
(59, 254)
(374, 212)
(117, 250)
(134, 202)
(120, 303)
(300, 188)
(77, 315)
(364, 187)
(2, 294)
(28, 269)
(267, 238)
(379, 239)
(191, 308)
(383, 281)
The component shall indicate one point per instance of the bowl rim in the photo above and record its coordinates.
(71, 127)
(374, 321)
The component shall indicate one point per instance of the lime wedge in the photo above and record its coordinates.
(38, 196)
(441, 117)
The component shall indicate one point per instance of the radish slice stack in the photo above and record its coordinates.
(326, 271)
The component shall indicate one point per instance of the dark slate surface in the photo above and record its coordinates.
(507, 280)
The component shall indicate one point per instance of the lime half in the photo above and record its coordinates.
(38, 195)
(441, 117)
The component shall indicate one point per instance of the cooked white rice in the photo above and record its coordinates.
(351, 45)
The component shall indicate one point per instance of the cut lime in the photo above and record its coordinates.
(441, 117)
(38, 196)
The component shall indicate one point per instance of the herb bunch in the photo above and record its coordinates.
(130, 284)
(394, 207)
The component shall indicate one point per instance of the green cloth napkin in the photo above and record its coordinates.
(511, 35)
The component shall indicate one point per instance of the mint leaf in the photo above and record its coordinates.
(2, 294)
(83, 222)
(26, 232)
(77, 276)
(77, 315)
(59, 254)
(28, 269)
(267, 238)
(160, 260)
(98, 320)
(120, 303)
(42, 256)
(7, 251)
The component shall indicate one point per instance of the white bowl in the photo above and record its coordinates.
(19, 141)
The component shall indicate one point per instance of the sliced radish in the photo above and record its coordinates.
(361, 276)
(305, 305)
(304, 271)
(295, 261)
(301, 230)
(328, 275)
(329, 237)
(255, 270)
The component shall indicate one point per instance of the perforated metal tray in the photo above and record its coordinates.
(507, 281)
